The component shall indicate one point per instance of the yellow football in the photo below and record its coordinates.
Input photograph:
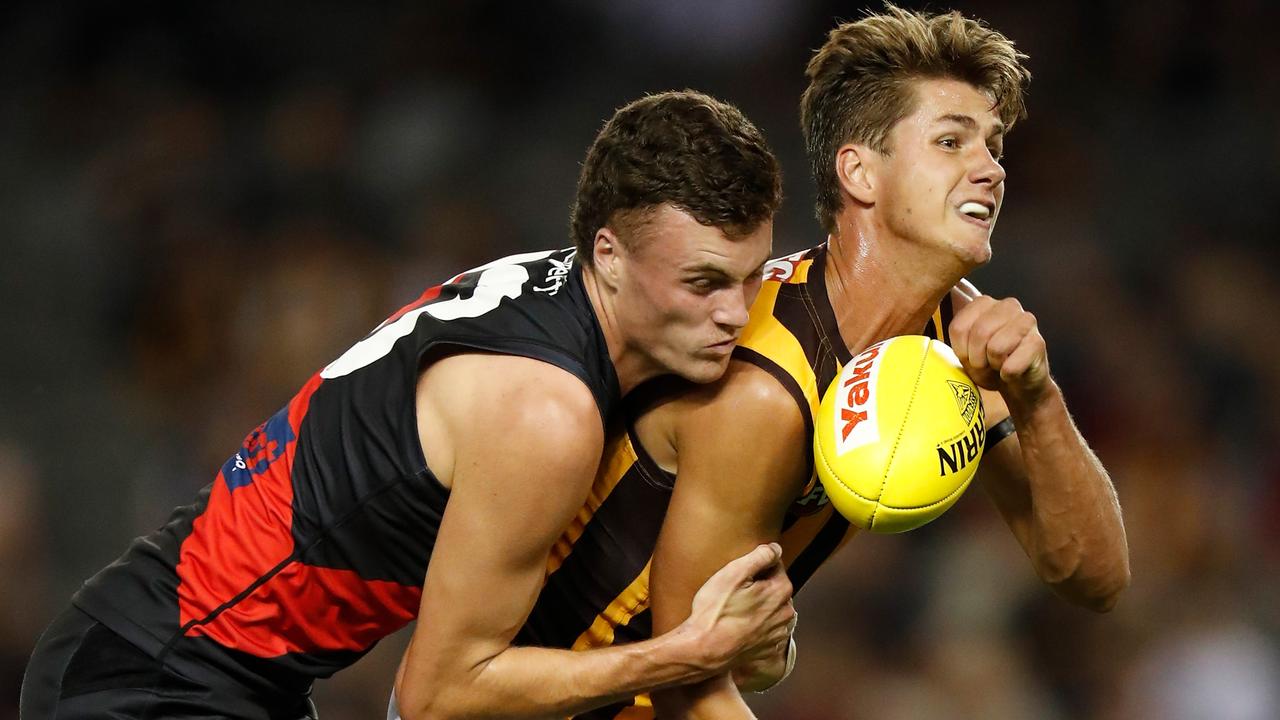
(899, 434)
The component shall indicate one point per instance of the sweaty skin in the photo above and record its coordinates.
(517, 442)
(902, 244)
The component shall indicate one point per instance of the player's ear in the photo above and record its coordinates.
(856, 172)
(605, 255)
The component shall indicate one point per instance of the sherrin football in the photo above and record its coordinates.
(899, 434)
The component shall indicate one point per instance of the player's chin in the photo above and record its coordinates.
(704, 367)
(974, 246)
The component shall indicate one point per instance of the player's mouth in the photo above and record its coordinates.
(979, 213)
(724, 346)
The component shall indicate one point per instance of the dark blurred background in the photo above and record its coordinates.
(200, 206)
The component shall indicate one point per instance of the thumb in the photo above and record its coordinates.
(761, 558)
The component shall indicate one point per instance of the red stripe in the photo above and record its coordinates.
(238, 538)
(243, 535)
(426, 297)
(304, 609)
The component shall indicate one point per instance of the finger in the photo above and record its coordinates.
(789, 618)
(962, 324)
(997, 316)
(1006, 339)
(1028, 360)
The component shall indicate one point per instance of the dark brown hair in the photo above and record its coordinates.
(861, 83)
(687, 149)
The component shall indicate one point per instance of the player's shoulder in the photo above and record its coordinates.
(516, 390)
(746, 398)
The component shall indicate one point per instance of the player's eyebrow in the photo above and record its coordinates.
(704, 269)
(710, 269)
(970, 123)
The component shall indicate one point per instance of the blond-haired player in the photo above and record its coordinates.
(904, 119)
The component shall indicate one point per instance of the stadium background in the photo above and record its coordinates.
(201, 206)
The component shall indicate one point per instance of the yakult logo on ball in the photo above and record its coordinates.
(856, 426)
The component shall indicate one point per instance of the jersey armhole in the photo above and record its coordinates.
(531, 349)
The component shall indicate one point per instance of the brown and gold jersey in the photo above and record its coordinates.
(597, 588)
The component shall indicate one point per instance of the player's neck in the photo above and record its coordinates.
(631, 367)
(880, 286)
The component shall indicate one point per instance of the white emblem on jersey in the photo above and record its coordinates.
(557, 276)
(783, 268)
(504, 278)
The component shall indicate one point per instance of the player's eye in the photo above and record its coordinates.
(701, 285)
(949, 142)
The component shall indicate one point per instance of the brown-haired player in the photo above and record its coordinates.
(427, 473)
(904, 120)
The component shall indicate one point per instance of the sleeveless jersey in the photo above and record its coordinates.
(312, 542)
(597, 591)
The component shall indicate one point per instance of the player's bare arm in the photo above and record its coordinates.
(742, 455)
(517, 441)
(1048, 485)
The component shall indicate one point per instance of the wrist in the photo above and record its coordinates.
(1026, 407)
(691, 647)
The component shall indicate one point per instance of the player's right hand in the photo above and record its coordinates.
(743, 613)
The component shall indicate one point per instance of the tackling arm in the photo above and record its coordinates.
(518, 442)
(742, 459)
(1048, 485)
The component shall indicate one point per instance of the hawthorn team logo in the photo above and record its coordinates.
(966, 400)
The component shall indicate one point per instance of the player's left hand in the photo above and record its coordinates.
(1000, 346)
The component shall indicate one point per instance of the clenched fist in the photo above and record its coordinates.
(1000, 346)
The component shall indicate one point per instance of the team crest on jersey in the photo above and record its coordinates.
(782, 269)
(966, 400)
(266, 444)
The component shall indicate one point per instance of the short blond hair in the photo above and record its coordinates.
(861, 83)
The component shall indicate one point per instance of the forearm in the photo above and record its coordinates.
(535, 682)
(529, 681)
(1074, 532)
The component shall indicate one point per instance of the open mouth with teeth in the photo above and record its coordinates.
(976, 210)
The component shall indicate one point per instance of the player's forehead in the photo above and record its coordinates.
(947, 102)
(674, 239)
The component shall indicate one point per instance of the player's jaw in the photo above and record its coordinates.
(686, 294)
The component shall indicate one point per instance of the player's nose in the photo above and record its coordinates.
(731, 310)
(987, 170)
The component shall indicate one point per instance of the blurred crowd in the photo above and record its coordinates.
(202, 205)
